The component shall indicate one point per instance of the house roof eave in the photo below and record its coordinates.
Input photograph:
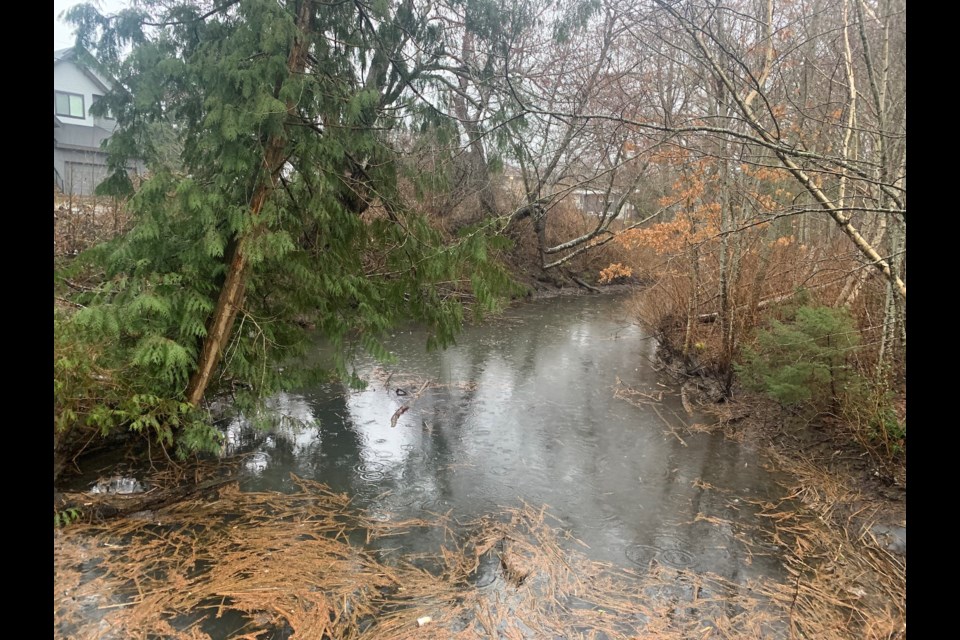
(70, 55)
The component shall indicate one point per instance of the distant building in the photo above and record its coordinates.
(595, 202)
(79, 164)
(586, 200)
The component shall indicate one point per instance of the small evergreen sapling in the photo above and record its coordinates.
(803, 360)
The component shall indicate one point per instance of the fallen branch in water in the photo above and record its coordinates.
(685, 401)
(406, 407)
(670, 428)
(101, 507)
(627, 393)
(585, 285)
(396, 415)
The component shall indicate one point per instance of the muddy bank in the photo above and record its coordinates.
(571, 288)
(845, 524)
(822, 441)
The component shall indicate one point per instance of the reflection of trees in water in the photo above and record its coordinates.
(308, 439)
(704, 533)
(337, 433)
(530, 413)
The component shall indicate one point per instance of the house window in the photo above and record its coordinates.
(94, 100)
(69, 104)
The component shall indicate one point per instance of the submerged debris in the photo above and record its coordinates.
(296, 562)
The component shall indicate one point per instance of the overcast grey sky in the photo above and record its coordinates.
(62, 34)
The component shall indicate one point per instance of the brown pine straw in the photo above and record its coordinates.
(296, 562)
(845, 577)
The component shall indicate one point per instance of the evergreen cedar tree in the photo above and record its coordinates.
(281, 209)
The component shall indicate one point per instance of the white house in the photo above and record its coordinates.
(79, 164)
(595, 202)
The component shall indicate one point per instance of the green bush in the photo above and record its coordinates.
(803, 360)
(66, 517)
(96, 390)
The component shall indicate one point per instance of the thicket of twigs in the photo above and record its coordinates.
(80, 222)
(775, 276)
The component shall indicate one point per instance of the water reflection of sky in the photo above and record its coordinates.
(524, 410)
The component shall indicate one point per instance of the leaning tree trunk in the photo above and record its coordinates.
(220, 324)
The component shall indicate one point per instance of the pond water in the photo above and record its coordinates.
(523, 409)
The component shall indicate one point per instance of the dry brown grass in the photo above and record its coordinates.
(79, 222)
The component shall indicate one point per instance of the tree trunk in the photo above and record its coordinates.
(892, 342)
(692, 300)
(220, 325)
(477, 176)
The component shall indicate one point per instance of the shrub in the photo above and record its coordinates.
(96, 391)
(803, 360)
(869, 408)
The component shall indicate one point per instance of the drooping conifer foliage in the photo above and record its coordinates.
(282, 211)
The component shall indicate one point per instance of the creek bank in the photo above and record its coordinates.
(843, 523)
(130, 496)
(821, 446)
(539, 284)
(561, 289)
